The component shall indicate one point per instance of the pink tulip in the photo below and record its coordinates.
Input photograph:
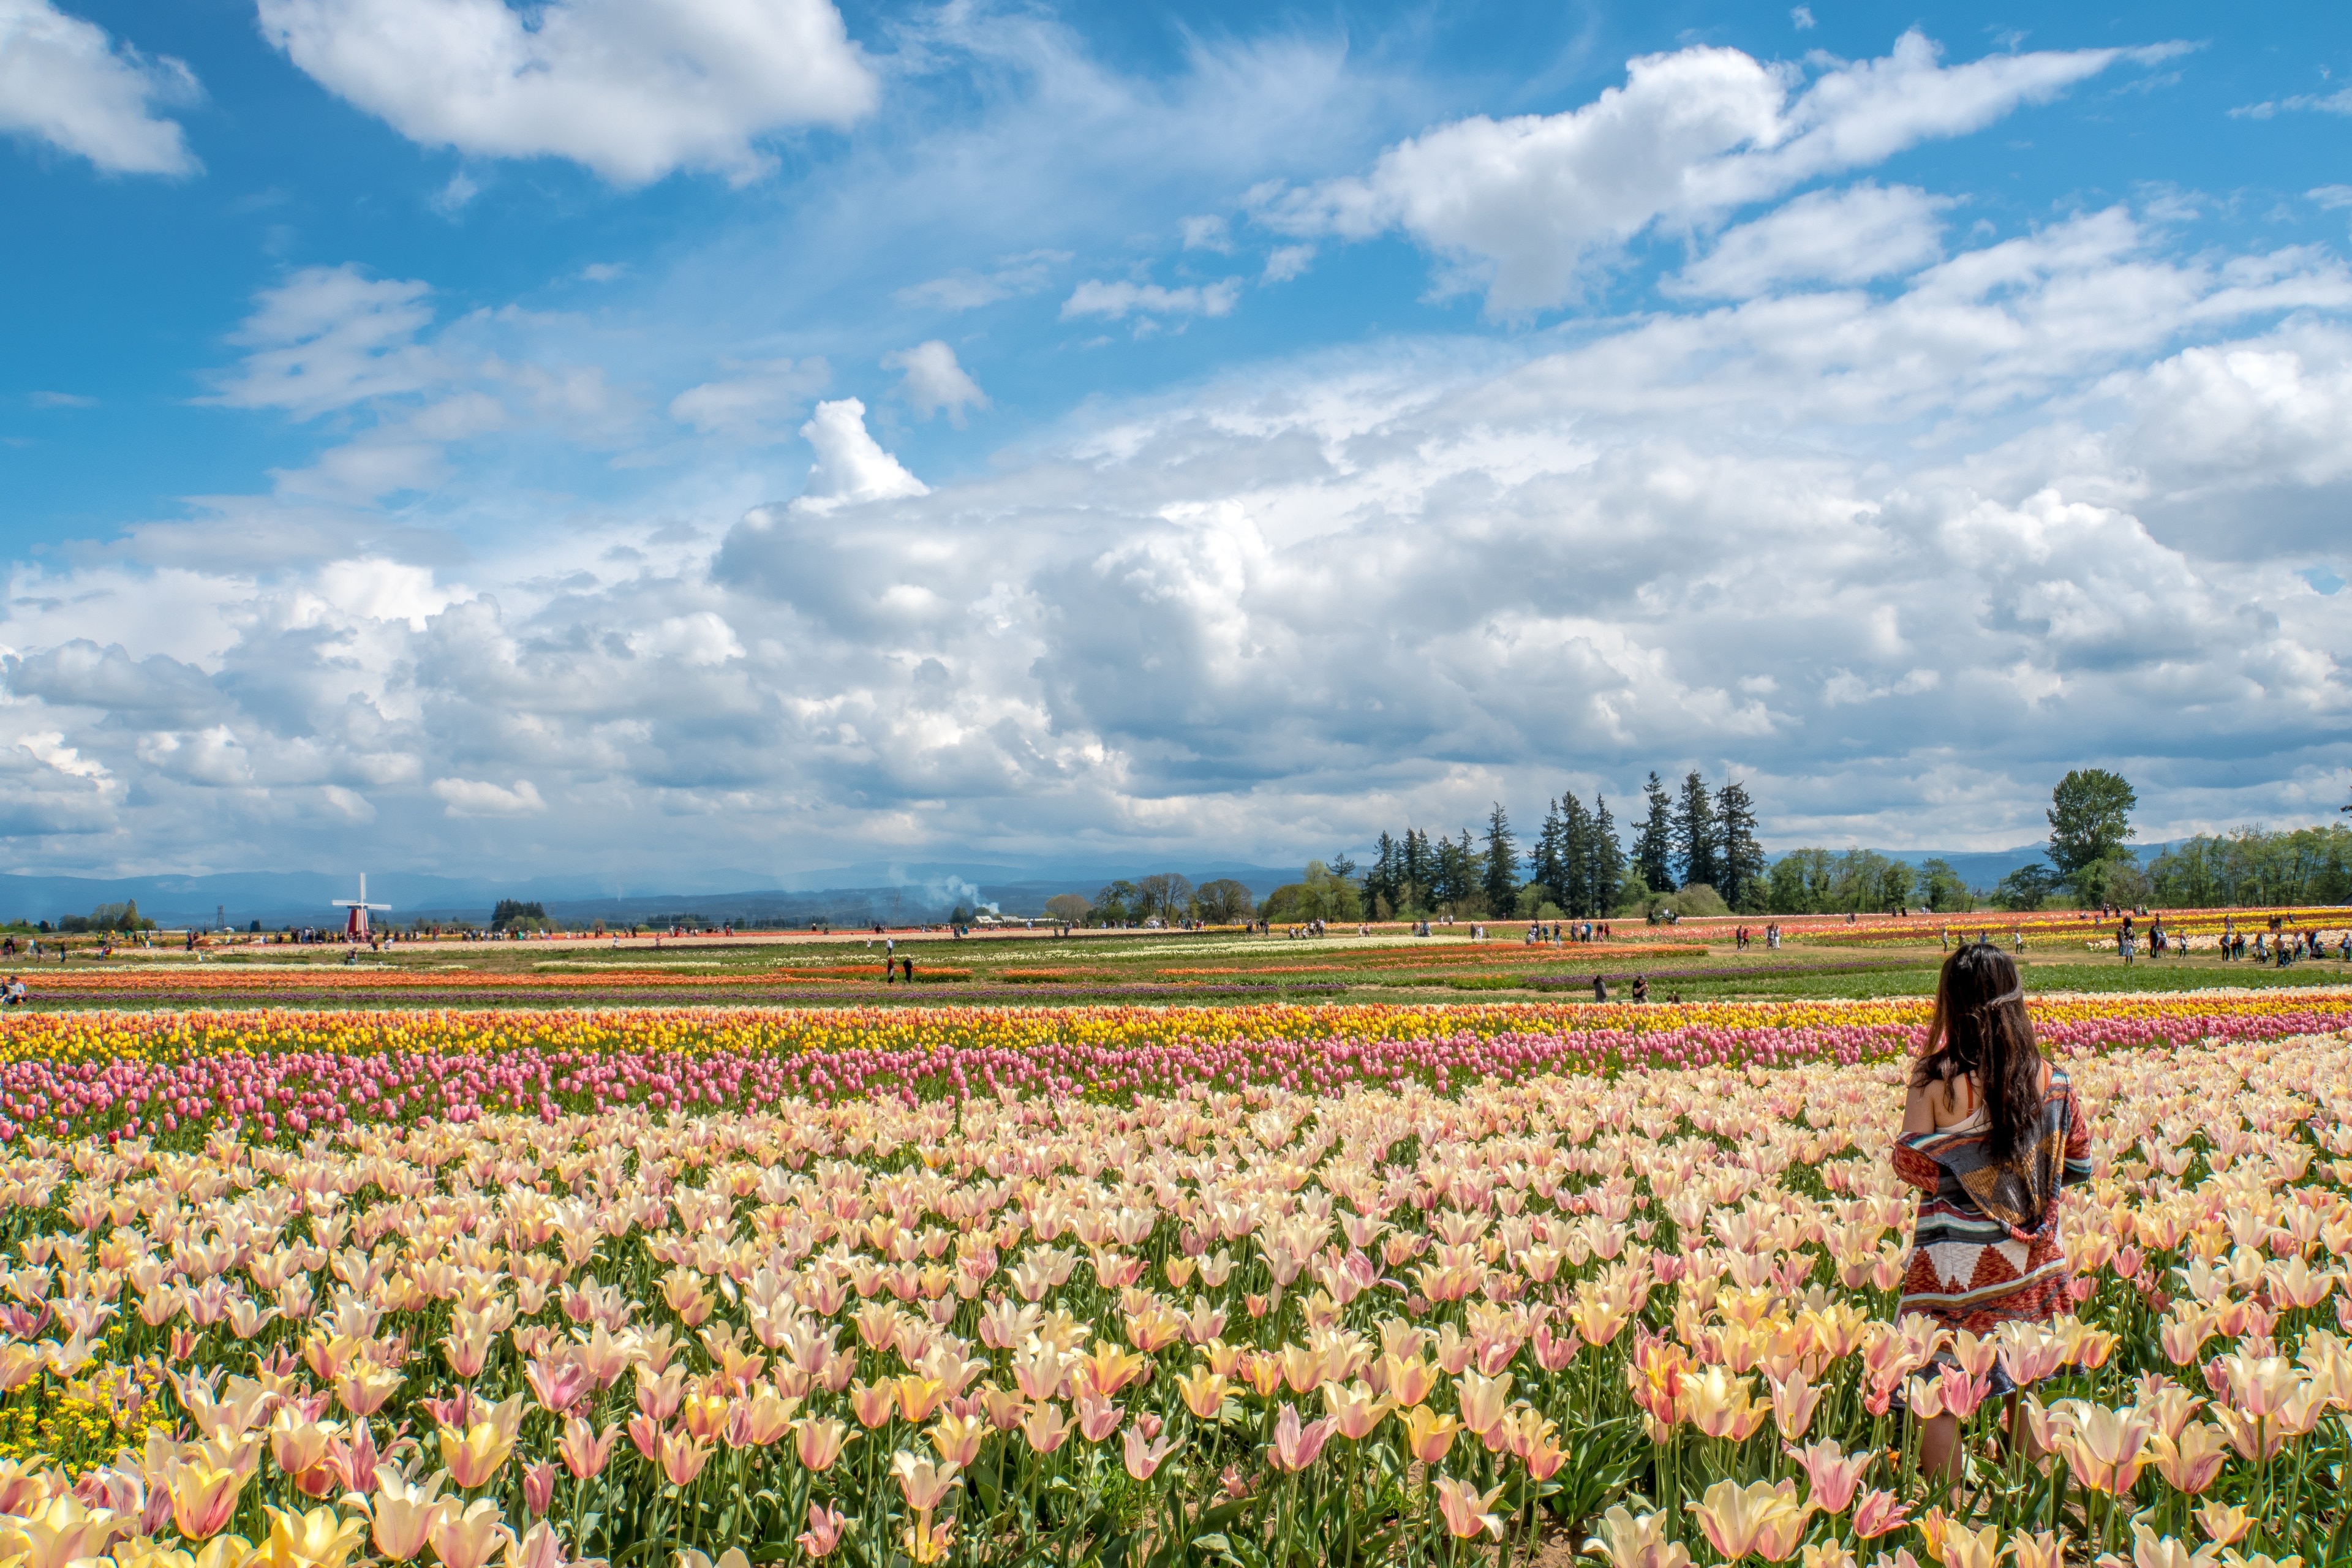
(825, 1525)
(1877, 1513)
(1295, 1445)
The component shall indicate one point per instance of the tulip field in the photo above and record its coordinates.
(1259, 1284)
(1817, 956)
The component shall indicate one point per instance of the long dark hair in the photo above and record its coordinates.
(1980, 1030)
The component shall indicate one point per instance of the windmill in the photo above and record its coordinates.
(355, 927)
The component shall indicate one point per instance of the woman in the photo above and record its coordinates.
(1990, 1134)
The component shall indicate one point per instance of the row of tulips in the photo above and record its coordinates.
(2038, 927)
(176, 1075)
(1649, 1309)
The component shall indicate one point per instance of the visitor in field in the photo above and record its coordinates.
(1991, 1134)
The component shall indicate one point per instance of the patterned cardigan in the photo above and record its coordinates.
(1986, 1249)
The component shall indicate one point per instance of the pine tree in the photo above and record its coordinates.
(1697, 840)
(1501, 881)
(1419, 866)
(1449, 878)
(1743, 856)
(1653, 846)
(1575, 853)
(1545, 863)
(1605, 859)
(1380, 881)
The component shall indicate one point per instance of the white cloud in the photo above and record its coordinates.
(49, 746)
(1529, 203)
(851, 465)
(1898, 556)
(632, 89)
(375, 589)
(1206, 233)
(64, 82)
(479, 797)
(2337, 103)
(2332, 197)
(1827, 236)
(347, 804)
(1284, 262)
(451, 198)
(755, 402)
(62, 400)
(700, 639)
(1801, 16)
(1014, 277)
(212, 757)
(934, 380)
(329, 337)
(1116, 300)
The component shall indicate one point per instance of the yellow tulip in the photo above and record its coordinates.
(318, 1539)
(1759, 1519)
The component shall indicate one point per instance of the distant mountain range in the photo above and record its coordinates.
(890, 891)
(1977, 867)
(893, 893)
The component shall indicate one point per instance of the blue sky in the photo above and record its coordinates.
(714, 433)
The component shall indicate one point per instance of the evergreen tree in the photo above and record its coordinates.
(1743, 856)
(1544, 863)
(1698, 837)
(1605, 859)
(1380, 881)
(1653, 846)
(1501, 864)
(1449, 878)
(1420, 865)
(1575, 852)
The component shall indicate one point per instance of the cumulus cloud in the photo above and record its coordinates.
(212, 757)
(48, 790)
(1115, 302)
(851, 465)
(632, 89)
(934, 380)
(755, 401)
(1825, 236)
(479, 797)
(1528, 204)
(63, 81)
(1898, 556)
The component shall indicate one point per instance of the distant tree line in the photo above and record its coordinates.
(2251, 867)
(1694, 851)
(106, 917)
